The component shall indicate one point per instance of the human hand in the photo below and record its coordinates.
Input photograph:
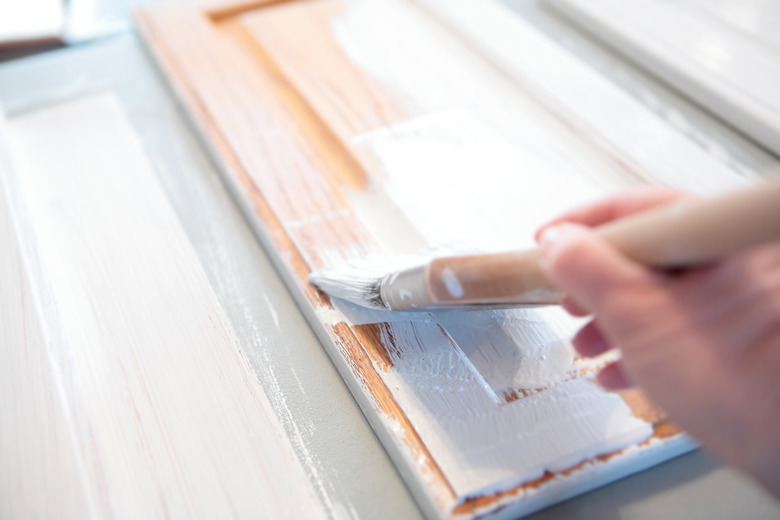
(704, 344)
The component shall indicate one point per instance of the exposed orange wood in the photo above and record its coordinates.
(305, 49)
(336, 156)
(223, 11)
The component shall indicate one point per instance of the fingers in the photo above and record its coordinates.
(616, 206)
(589, 341)
(613, 377)
(589, 270)
(598, 279)
(571, 306)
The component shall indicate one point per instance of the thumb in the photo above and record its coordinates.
(589, 270)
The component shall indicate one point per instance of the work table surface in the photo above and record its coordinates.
(345, 465)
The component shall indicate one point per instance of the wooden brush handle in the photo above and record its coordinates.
(684, 233)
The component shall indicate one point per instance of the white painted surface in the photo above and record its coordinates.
(758, 18)
(603, 115)
(30, 20)
(163, 414)
(725, 55)
(515, 349)
(483, 446)
(41, 474)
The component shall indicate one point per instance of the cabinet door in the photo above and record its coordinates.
(391, 127)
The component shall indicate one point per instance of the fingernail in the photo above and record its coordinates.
(549, 236)
(548, 241)
(556, 237)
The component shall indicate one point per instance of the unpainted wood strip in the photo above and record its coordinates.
(299, 38)
(283, 199)
(219, 11)
(152, 26)
(322, 137)
(284, 166)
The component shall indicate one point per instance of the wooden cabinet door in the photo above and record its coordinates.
(387, 127)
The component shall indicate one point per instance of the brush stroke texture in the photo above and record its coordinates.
(163, 413)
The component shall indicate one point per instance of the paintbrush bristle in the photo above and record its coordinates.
(359, 281)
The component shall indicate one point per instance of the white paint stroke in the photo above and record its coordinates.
(482, 446)
(168, 417)
(482, 443)
(459, 179)
(514, 349)
(511, 349)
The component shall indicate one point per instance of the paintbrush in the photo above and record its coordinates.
(682, 234)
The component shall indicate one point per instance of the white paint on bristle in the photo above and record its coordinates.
(357, 281)
(354, 314)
